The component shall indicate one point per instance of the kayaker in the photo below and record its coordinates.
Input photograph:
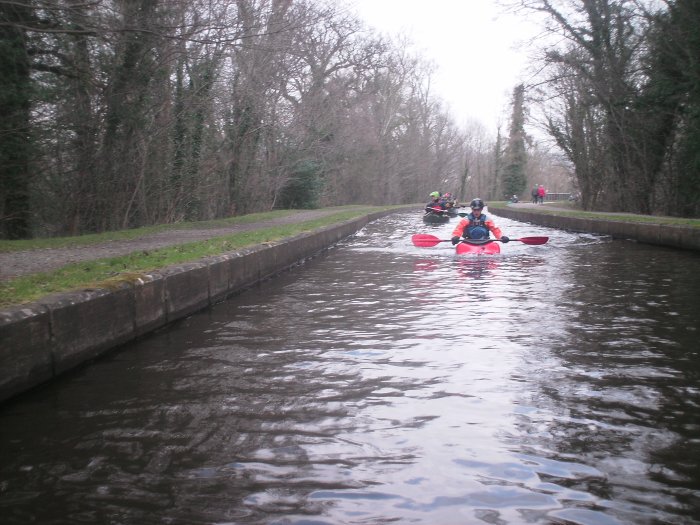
(476, 225)
(448, 200)
(435, 206)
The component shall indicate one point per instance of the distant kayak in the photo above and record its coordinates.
(435, 218)
(489, 248)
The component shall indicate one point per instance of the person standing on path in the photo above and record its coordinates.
(541, 192)
(533, 193)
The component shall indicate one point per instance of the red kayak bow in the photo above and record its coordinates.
(491, 248)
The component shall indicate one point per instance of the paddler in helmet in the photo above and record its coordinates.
(476, 225)
(435, 206)
(447, 200)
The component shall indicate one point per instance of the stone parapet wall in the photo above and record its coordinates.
(42, 340)
(682, 237)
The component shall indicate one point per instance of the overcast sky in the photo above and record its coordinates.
(473, 42)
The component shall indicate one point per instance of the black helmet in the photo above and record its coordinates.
(477, 204)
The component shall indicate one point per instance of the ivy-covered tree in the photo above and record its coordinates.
(671, 101)
(304, 187)
(514, 170)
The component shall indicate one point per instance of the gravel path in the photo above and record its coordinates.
(15, 264)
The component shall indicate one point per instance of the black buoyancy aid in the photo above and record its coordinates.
(476, 229)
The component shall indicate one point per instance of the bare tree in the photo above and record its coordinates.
(135, 112)
(594, 78)
(481, 157)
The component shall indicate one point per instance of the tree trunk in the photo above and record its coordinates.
(15, 139)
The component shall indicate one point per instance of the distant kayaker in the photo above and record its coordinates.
(435, 206)
(448, 200)
(476, 225)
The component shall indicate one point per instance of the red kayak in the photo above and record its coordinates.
(478, 249)
(473, 246)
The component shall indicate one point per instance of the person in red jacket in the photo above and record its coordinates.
(476, 225)
(541, 192)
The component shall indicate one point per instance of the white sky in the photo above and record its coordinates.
(473, 43)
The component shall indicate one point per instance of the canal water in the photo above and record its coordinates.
(384, 383)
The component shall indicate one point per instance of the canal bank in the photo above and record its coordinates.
(682, 237)
(42, 340)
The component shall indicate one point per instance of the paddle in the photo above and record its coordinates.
(436, 210)
(424, 240)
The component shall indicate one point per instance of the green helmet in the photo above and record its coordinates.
(435, 194)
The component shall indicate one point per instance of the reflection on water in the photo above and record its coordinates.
(387, 383)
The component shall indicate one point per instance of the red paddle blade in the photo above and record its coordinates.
(532, 240)
(424, 240)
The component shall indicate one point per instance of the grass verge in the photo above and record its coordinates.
(96, 238)
(110, 272)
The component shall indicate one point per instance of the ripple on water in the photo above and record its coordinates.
(387, 383)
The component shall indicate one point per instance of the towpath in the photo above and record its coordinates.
(25, 262)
